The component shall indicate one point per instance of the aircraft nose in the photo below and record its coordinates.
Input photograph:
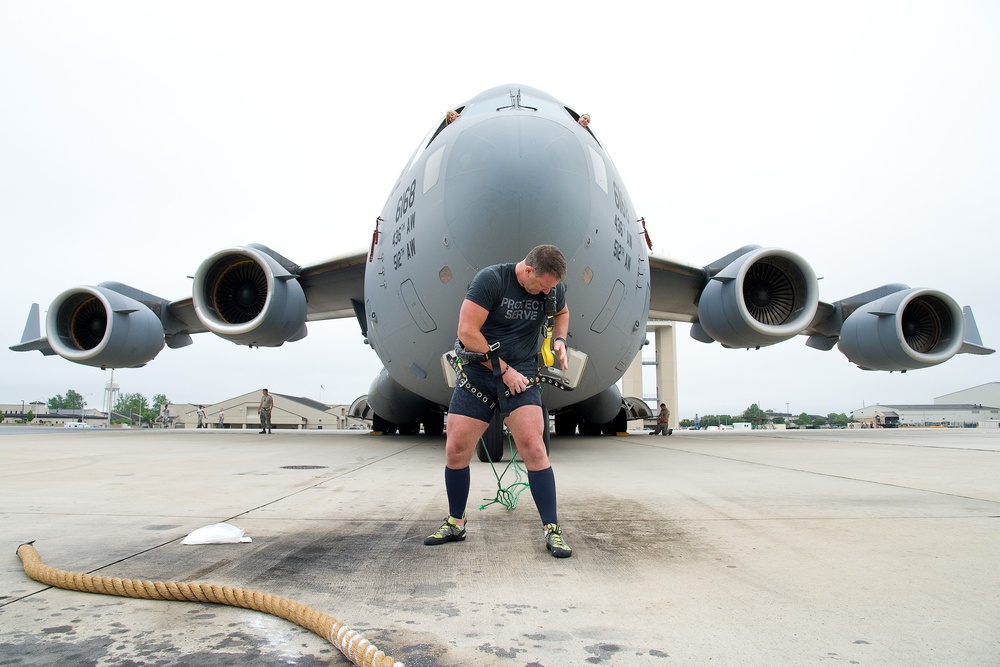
(515, 181)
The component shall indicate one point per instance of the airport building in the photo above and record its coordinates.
(984, 394)
(970, 407)
(42, 415)
(289, 412)
(966, 415)
(18, 410)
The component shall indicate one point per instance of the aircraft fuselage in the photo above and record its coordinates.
(514, 171)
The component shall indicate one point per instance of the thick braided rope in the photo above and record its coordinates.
(355, 647)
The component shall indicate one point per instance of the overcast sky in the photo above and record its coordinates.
(137, 138)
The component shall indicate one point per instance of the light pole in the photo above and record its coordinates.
(83, 404)
(110, 394)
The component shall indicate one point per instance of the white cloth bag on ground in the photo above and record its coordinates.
(217, 533)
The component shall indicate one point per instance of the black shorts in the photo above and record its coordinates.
(464, 402)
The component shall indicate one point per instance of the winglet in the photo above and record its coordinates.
(973, 343)
(32, 328)
(32, 338)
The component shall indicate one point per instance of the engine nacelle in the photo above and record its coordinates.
(763, 297)
(393, 402)
(913, 328)
(247, 297)
(602, 407)
(95, 326)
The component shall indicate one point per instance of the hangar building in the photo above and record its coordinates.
(957, 415)
(984, 394)
(289, 412)
(976, 406)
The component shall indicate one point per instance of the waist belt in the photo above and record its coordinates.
(503, 393)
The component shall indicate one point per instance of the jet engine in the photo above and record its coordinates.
(910, 329)
(245, 295)
(763, 297)
(95, 326)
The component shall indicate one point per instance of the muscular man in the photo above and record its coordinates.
(506, 305)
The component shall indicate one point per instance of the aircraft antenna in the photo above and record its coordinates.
(371, 254)
(645, 233)
(515, 101)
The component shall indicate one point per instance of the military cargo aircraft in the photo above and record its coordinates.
(515, 169)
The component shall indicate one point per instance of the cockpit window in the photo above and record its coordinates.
(576, 116)
(444, 123)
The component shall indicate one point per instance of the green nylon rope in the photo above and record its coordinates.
(506, 496)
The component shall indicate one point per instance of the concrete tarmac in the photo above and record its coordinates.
(703, 548)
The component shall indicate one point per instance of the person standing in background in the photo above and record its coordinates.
(264, 410)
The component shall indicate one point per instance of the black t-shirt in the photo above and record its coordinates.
(516, 318)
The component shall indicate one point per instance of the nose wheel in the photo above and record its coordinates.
(491, 445)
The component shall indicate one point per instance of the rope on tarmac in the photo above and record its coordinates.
(506, 496)
(355, 647)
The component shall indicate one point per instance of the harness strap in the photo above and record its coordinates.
(462, 381)
(501, 387)
(474, 357)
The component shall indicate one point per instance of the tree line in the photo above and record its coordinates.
(131, 406)
(758, 418)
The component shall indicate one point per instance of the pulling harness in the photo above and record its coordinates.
(463, 356)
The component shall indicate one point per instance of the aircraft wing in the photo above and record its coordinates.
(249, 295)
(335, 286)
(674, 289)
(756, 296)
